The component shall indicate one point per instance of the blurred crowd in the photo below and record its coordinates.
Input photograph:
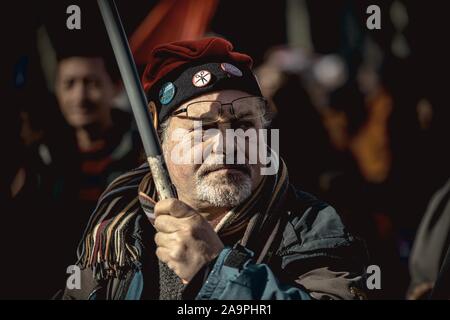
(362, 117)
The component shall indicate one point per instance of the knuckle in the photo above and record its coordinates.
(178, 238)
(158, 205)
(159, 254)
(187, 233)
(177, 253)
(161, 223)
(156, 223)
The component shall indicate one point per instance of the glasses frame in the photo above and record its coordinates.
(231, 103)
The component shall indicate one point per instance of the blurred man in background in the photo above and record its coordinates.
(78, 145)
(85, 89)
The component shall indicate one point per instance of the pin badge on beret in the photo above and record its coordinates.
(201, 78)
(167, 93)
(231, 69)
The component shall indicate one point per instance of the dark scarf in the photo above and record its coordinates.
(110, 249)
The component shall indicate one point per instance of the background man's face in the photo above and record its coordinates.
(213, 180)
(84, 91)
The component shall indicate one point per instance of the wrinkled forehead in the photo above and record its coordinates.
(81, 66)
(79, 61)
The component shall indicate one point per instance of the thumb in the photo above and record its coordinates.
(174, 208)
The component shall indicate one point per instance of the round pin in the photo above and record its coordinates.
(167, 93)
(201, 78)
(231, 69)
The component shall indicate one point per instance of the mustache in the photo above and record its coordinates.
(85, 104)
(205, 169)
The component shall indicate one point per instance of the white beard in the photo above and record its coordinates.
(222, 190)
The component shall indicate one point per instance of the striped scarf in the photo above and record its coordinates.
(109, 246)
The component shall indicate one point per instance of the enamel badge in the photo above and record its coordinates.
(231, 69)
(201, 78)
(167, 93)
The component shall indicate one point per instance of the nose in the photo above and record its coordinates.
(223, 144)
(226, 112)
(80, 92)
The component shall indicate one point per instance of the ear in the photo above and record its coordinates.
(153, 111)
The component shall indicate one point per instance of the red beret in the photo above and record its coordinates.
(179, 71)
(168, 57)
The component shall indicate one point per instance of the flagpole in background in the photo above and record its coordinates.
(137, 98)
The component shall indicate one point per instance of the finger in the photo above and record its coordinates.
(174, 208)
(168, 224)
(163, 254)
(164, 239)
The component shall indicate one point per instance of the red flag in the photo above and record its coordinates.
(171, 20)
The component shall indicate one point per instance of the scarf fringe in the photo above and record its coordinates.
(110, 246)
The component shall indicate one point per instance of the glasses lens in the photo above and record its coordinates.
(249, 107)
(206, 111)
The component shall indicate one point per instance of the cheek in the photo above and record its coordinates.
(97, 95)
(181, 172)
(61, 95)
(64, 102)
(182, 177)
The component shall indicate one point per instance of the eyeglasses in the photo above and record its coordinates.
(245, 108)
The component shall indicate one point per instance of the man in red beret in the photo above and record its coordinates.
(238, 229)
